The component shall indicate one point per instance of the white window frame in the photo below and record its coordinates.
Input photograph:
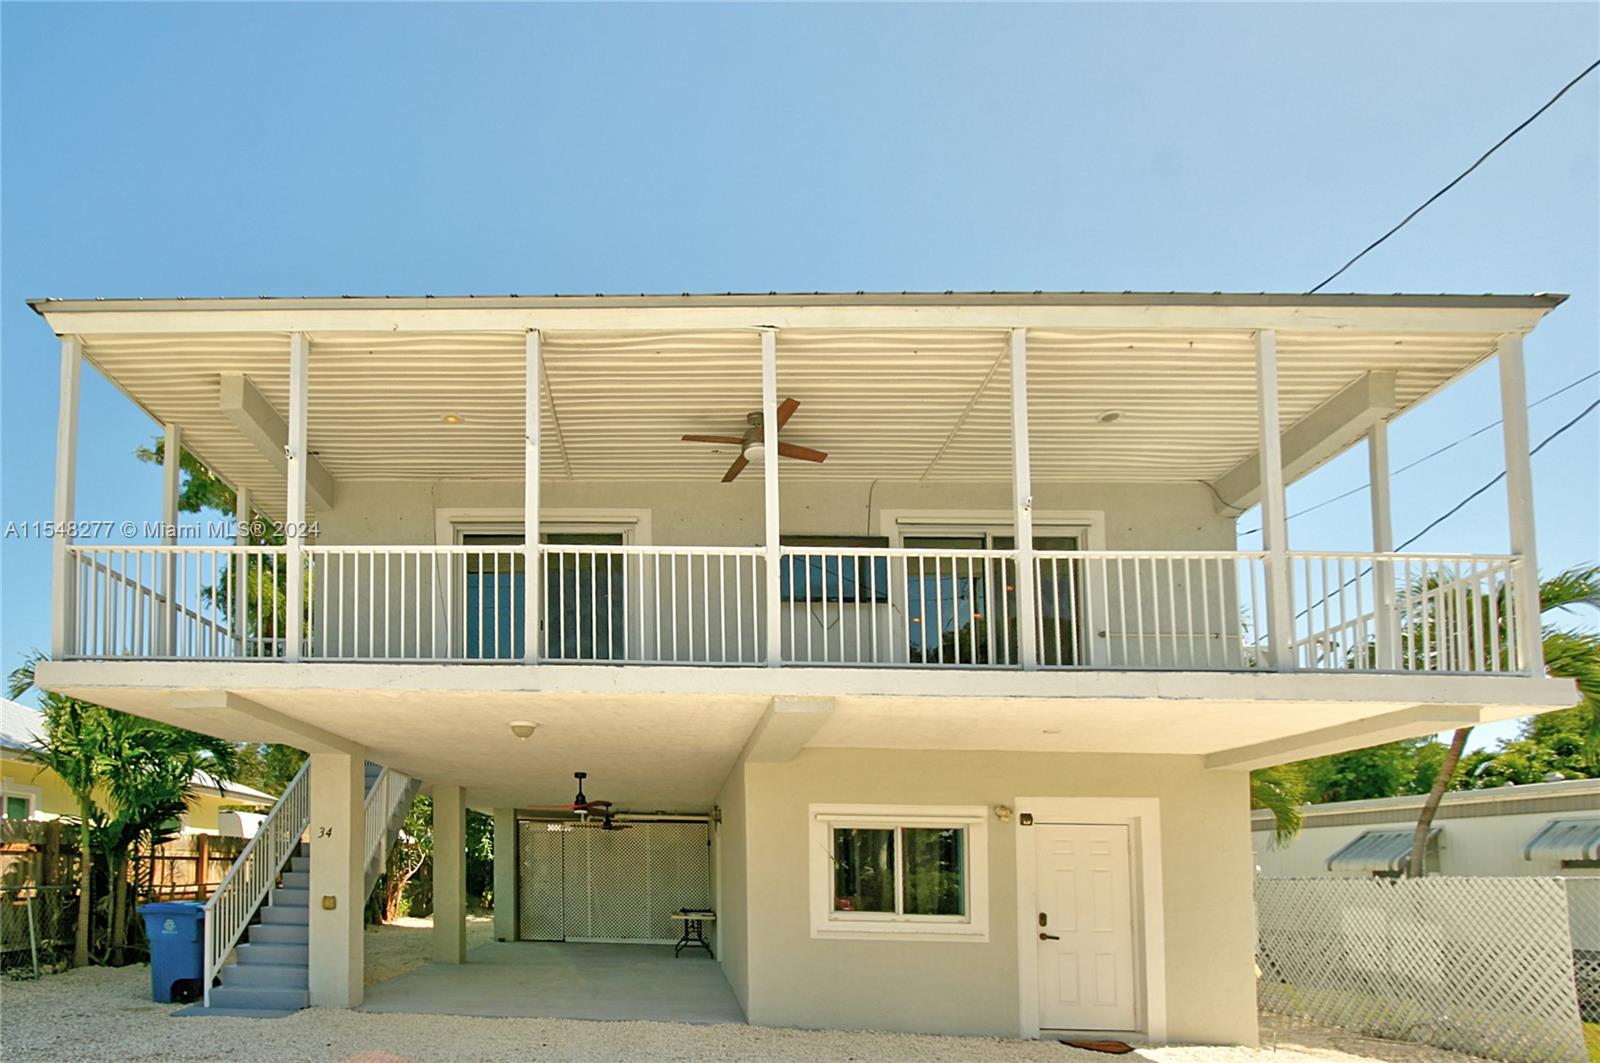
(30, 794)
(452, 523)
(827, 923)
(1089, 525)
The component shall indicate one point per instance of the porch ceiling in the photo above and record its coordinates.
(897, 403)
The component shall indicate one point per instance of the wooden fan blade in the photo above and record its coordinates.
(735, 469)
(789, 450)
(786, 410)
(735, 440)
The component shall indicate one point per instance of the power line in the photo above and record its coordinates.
(1428, 456)
(1459, 177)
(1459, 506)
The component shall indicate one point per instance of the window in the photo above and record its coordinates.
(18, 806)
(831, 577)
(899, 870)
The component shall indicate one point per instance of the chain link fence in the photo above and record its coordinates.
(1583, 916)
(37, 924)
(1477, 965)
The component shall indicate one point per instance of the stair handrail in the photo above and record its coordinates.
(383, 799)
(229, 910)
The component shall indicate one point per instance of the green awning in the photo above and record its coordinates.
(1378, 850)
(1565, 839)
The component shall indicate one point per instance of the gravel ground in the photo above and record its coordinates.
(403, 945)
(103, 1014)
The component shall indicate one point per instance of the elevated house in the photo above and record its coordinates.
(906, 634)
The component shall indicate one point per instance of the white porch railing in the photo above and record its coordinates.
(229, 910)
(918, 608)
(858, 606)
(1451, 613)
(389, 790)
(1194, 610)
(177, 602)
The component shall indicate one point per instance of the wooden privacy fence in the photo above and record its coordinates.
(1477, 965)
(37, 853)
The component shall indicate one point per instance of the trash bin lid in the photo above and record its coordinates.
(170, 907)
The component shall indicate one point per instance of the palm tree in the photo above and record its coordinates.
(1282, 790)
(1568, 653)
(74, 741)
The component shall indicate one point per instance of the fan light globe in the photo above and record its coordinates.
(754, 451)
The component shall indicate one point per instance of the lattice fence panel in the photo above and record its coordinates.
(1476, 965)
(1583, 913)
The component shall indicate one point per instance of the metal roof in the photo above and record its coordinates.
(1378, 850)
(1565, 839)
(1542, 300)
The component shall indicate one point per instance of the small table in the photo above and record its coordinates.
(694, 922)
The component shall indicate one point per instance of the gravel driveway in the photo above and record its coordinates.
(104, 1014)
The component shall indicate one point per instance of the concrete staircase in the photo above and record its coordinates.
(270, 973)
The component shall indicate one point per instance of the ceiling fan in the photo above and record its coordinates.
(752, 445)
(581, 804)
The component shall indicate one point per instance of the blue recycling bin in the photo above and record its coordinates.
(177, 932)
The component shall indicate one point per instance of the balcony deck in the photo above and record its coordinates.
(836, 606)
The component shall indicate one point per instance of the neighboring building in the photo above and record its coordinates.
(949, 718)
(29, 790)
(1550, 828)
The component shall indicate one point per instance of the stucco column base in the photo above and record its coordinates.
(338, 824)
(449, 875)
(505, 874)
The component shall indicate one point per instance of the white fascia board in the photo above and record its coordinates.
(91, 319)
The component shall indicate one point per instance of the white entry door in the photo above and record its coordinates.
(1085, 927)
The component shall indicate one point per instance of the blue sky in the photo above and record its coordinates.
(322, 149)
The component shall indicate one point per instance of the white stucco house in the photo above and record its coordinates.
(908, 634)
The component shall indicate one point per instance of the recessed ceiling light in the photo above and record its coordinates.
(452, 418)
(1108, 417)
(1052, 730)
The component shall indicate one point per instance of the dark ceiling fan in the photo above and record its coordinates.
(752, 444)
(581, 804)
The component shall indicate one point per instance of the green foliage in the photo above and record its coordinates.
(199, 489)
(1405, 767)
(268, 767)
(1281, 789)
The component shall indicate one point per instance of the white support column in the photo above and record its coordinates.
(505, 874)
(171, 481)
(338, 878)
(295, 510)
(533, 573)
(769, 484)
(1387, 635)
(449, 874)
(1027, 617)
(1519, 503)
(239, 570)
(1274, 522)
(63, 574)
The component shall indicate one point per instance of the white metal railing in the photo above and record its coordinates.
(653, 604)
(863, 606)
(229, 910)
(176, 602)
(383, 800)
(878, 606)
(1450, 613)
(1190, 610)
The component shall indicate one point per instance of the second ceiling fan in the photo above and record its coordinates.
(752, 444)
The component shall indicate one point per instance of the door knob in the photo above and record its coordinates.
(1049, 937)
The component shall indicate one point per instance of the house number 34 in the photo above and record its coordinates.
(324, 832)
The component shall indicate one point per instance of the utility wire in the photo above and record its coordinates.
(1428, 456)
(1459, 178)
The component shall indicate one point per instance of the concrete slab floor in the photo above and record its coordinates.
(566, 980)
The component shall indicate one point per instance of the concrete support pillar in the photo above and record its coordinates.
(449, 874)
(505, 874)
(338, 848)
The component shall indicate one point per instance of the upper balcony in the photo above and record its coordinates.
(1029, 482)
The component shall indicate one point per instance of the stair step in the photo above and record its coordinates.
(260, 998)
(296, 880)
(266, 975)
(300, 863)
(281, 915)
(287, 954)
(280, 934)
(291, 898)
